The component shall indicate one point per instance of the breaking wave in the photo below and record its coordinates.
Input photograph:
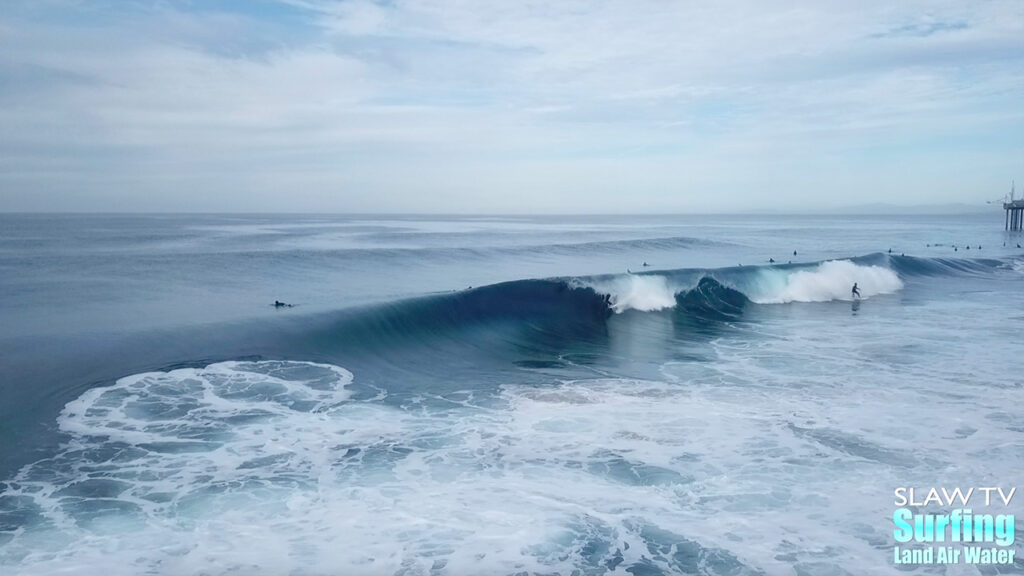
(580, 303)
(832, 280)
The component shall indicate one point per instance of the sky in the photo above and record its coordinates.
(461, 106)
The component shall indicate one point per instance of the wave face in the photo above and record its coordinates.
(580, 306)
(911, 266)
(541, 306)
(560, 316)
(710, 300)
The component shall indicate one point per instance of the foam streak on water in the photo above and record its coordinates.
(724, 468)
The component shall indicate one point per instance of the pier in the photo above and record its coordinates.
(1014, 214)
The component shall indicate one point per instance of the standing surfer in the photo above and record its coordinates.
(855, 292)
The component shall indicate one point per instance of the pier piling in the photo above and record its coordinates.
(1014, 215)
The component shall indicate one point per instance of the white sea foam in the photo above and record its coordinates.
(729, 467)
(830, 280)
(643, 292)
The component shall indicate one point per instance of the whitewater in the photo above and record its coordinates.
(495, 395)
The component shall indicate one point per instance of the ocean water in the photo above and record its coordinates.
(495, 395)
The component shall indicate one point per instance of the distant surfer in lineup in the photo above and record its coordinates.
(855, 292)
(279, 304)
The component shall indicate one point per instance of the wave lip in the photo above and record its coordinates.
(732, 288)
(830, 280)
(645, 293)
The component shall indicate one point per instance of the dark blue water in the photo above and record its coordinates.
(496, 395)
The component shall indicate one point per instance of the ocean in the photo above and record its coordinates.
(453, 395)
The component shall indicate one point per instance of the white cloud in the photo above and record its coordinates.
(566, 104)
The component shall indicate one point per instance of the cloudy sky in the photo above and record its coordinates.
(530, 106)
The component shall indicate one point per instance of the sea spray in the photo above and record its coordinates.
(831, 280)
(637, 292)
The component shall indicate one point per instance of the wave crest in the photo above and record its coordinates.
(645, 293)
(831, 280)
